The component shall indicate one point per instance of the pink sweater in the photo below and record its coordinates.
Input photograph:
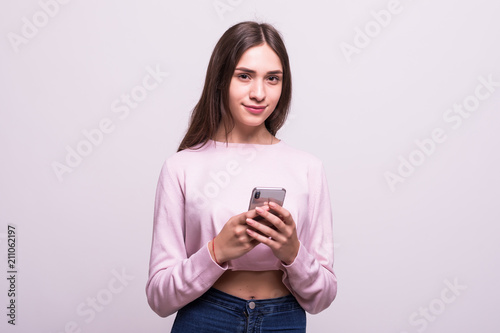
(199, 190)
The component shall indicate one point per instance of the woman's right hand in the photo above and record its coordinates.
(233, 240)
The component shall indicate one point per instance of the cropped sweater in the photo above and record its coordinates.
(199, 190)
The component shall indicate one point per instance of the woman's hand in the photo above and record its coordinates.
(233, 241)
(283, 240)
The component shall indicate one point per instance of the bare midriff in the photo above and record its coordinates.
(252, 285)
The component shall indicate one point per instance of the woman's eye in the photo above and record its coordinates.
(244, 76)
(273, 79)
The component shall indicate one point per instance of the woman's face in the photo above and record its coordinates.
(255, 87)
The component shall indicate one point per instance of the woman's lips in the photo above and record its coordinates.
(255, 109)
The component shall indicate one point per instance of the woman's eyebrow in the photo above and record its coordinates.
(243, 69)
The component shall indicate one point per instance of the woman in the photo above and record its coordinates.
(223, 268)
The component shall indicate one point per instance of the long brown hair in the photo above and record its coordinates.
(213, 105)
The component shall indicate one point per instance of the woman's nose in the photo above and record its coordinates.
(258, 91)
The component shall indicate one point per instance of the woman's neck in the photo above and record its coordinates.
(258, 135)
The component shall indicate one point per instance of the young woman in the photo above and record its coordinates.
(223, 268)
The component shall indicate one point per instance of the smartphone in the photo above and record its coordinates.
(262, 195)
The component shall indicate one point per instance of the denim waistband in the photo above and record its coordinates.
(264, 306)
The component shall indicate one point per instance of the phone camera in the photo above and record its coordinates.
(257, 194)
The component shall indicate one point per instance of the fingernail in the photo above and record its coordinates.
(249, 221)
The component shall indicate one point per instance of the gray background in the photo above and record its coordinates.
(399, 249)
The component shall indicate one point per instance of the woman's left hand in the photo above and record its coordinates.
(283, 240)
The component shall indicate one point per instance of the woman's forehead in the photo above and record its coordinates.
(260, 58)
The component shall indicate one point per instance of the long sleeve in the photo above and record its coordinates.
(310, 277)
(199, 190)
(174, 278)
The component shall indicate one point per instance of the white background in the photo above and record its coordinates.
(398, 249)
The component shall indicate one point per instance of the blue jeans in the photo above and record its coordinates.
(218, 312)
